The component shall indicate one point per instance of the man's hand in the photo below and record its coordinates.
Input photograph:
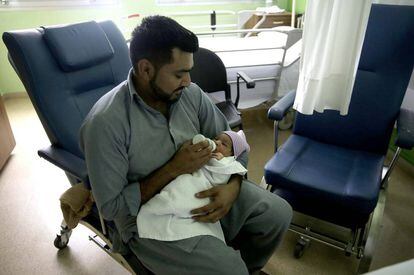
(222, 198)
(189, 158)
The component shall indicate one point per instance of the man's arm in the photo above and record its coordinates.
(104, 147)
(222, 198)
(107, 161)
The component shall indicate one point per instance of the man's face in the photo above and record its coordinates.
(170, 79)
(224, 145)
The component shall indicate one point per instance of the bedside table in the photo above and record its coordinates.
(7, 141)
(272, 20)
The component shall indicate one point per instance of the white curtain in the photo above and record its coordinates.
(332, 40)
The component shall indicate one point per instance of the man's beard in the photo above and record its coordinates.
(162, 95)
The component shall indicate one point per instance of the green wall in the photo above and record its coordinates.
(287, 4)
(21, 19)
(408, 155)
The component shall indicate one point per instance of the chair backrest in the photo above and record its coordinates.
(209, 72)
(383, 74)
(65, 70)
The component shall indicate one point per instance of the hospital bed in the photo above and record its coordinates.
(257, 54)
(267, 55)
(262, 53)
(263, 57)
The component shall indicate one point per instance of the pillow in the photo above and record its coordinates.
(78, 46)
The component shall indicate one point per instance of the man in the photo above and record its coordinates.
(136, 139)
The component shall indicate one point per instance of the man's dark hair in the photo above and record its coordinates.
(155, 38)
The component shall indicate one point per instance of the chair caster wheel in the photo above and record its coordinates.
(60, 243)
(62, 239)
(300, 247)
(299, 250)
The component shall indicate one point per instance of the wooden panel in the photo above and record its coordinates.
(7, 141)
(272, 20)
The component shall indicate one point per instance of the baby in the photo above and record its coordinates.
(167, 215)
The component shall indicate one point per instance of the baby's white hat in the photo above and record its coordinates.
(239, 142)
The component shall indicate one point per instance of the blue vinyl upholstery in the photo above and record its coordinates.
(381, 81)
(282, 106)
(405, 128)
(65, 70)
(64, 86)
(72, 48)
(348, 178)
(63, 98)
(331, 166)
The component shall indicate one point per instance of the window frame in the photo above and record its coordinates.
(34, 4)
(203, 2)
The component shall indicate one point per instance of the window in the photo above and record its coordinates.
(204, 2)
(53, 3)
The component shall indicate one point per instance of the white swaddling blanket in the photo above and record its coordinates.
(167, 217)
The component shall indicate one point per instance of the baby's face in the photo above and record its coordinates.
(224, 145)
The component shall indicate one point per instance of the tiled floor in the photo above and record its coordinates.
(30, 213)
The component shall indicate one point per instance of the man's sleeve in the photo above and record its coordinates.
(107, 162)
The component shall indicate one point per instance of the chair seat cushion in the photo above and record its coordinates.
(337, 182)
(230, 112)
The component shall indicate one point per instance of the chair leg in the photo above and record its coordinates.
(365, 253)
(105, 244)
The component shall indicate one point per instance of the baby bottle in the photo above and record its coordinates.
(199, 138)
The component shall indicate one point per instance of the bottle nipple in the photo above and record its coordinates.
(199, 138)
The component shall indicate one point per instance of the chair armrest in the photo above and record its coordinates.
(66, 161)
(249, 84)
(282, 106)
(405, 129)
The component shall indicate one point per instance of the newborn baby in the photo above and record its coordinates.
(167, 215)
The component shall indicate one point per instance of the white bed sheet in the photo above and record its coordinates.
(228, 43)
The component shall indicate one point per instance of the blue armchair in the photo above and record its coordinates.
(331, 168)
(65, 70)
